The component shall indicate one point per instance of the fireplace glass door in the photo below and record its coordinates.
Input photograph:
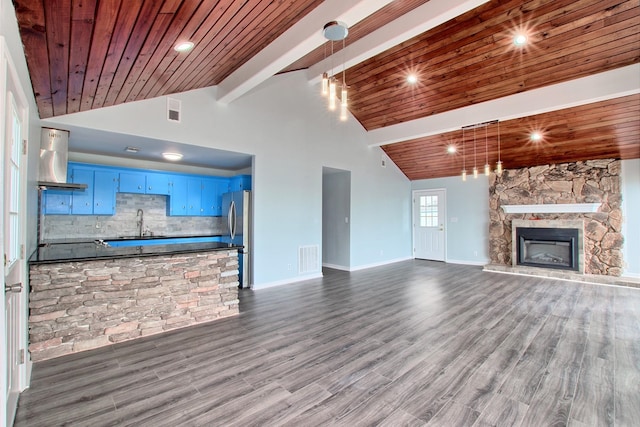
(548, 247)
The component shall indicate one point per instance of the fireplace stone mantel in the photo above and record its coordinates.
(552, 208)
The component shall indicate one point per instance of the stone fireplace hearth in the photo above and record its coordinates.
(592, 182)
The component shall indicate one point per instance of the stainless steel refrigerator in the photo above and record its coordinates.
(236, 208)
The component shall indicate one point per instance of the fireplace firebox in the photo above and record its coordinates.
(548, 247)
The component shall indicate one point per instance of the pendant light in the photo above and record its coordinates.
(499, 163)
(464, 169)
(336, 31)
(475, 167)
(487, 168)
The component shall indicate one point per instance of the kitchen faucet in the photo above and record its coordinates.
(140, 222)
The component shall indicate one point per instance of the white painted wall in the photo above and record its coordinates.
(467, 217)
(285, 124)
(631, 216)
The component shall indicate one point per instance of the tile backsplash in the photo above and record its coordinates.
(124, 222)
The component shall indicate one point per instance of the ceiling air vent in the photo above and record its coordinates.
(173, 110)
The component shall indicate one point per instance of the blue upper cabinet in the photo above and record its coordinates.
(82, 200)
(240, 182)
(104, 192)
(177, 204)
(189, 195)
(158, 183)
(132, 182)
(56, 202)
(211, 194)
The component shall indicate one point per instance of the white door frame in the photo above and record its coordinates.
(10, 83)
(414, 219)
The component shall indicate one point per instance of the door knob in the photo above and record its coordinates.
(16, 288)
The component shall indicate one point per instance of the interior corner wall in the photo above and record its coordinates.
(467, 217)
(630, 185)
(285, 124)
(336, 215)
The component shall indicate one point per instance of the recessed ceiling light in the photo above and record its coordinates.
(131, 149)
(172, 156)
(412, 78)
(451, 149)
(183, 47)
(520, 40)
(536, 136)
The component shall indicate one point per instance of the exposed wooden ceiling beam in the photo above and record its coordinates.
(598, 87)
(296, 42)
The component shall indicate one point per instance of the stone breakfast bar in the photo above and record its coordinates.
(87, 295)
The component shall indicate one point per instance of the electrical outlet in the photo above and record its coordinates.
(288, 267)
(475, 253)
(98, 224)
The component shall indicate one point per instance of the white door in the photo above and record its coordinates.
(429, 224)
(14, 298)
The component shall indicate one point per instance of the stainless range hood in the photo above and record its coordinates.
(54, 155)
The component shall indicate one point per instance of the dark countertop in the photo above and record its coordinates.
(157, 237)
(88, 251)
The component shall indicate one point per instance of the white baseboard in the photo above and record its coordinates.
(257, 287)
(336, 267)
(378, 264)
(467, 262)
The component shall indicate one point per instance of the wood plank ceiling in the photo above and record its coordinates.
(87, 54)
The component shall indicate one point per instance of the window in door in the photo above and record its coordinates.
(428, 211)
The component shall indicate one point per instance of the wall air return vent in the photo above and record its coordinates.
(174, 110)
(308, 259)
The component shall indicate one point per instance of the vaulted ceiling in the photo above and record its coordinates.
(87, 54)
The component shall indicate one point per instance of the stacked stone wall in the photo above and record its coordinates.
(79, 306)
(595, 181)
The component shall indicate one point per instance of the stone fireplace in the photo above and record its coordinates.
(547, 197)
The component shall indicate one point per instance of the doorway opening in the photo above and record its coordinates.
(336, 218)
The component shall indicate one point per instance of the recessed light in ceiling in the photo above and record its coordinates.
(520, 40)
(412, 78)
(173, 157)
(536, 136)
(131, 149)
(183, 46)
(452, 149)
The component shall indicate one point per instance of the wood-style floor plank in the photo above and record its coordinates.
(413, 343)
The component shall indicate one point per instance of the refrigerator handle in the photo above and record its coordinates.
(232, 219)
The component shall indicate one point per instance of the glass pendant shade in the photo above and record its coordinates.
(475, 172)
(487, 169)
(499, 168)
(332, 95)
(464, 175)
(343, 96)
(325, 84)
(343, 113)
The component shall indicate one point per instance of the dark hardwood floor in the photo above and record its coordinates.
(413, 343)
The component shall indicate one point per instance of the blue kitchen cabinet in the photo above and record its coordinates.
(157, 183)
(212, 196)
(177, 196)
(132, 182)
(194, 196)
(240, 182)
(56, 202)
(82, 200)
(104, 192)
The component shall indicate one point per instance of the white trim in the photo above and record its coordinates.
(379, 264)
(630, 276)
(466, 262)
(564, 279)
(336, 266)
(552, 208)
(257, 287)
